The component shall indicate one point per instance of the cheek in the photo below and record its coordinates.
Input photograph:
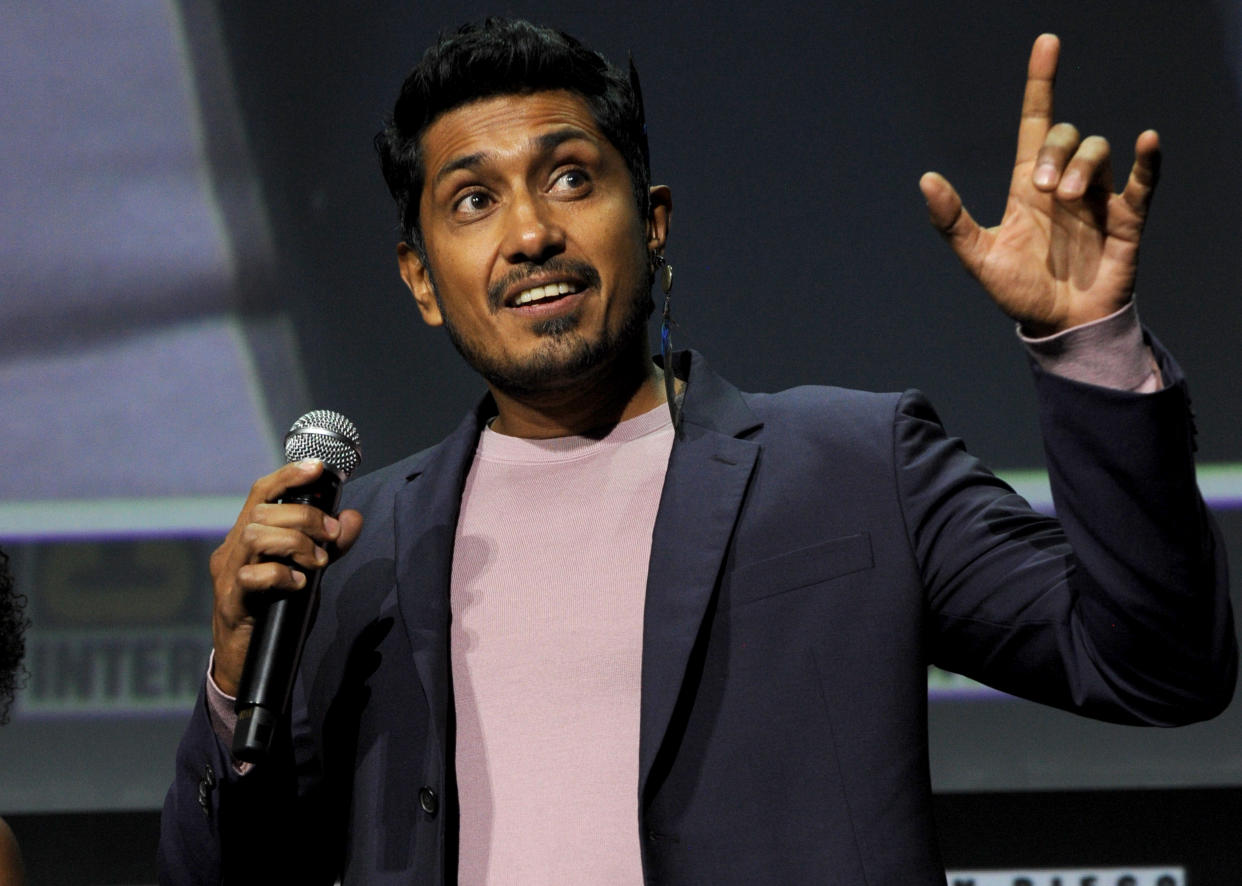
(461, 274)
(623, 240)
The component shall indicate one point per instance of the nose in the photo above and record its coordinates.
(532, 232)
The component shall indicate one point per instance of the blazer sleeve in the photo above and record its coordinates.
(1119, 607)
(218, 826)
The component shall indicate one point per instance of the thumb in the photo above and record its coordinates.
(351, 528)
(950, 218)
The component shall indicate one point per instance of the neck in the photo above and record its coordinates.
(630, 387)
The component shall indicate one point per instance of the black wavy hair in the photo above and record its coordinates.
(500, 56)
(13, 624)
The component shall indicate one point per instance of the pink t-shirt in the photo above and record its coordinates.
(549, 581)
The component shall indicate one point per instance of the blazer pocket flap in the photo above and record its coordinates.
(800, 568)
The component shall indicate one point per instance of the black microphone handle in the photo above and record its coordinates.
(282, 620)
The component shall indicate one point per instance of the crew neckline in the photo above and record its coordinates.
(495, 446)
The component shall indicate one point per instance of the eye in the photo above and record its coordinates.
(472, 203)
(571, 181)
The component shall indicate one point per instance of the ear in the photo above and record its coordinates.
(660, 218)
(418, 279)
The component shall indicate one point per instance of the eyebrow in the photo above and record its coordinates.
(543, 144)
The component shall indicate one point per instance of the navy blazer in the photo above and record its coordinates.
(814, 551)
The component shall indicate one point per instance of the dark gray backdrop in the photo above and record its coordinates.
(793, 136)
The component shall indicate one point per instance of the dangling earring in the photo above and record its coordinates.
(666, 274)
(666, 337)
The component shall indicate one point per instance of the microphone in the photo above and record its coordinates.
(283, 618)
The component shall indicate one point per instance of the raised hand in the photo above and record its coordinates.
(256, 554)
(1066, 250)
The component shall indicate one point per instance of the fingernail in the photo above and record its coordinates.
(331, 526)
(321, 556)
(1072, 182)
(309, 464)
(1045, 175)
(299, 578)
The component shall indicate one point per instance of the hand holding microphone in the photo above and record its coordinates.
(266, 573)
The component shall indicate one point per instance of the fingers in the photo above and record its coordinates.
(271, 554)
(280, 481)
(271, 547)
(268, 552)
(1070, 166)
(269, 576)
(950, 218)
(350, 523)
(1041, 74)
(285, 537)
(267, 531)
(1054, 154)
(1090, 168)
(1144, 174)
(1064, 163)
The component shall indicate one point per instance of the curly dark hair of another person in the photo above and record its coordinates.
(500, 56)
(13, 624)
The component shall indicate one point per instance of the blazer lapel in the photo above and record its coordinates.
(425, 516)
(708, 473)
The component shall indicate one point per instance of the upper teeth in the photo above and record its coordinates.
(548, 291)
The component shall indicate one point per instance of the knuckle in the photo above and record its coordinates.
(221, 559)
(247, 577)
(1062, 137)
(249, 535)
(260, 576)
(262, 488)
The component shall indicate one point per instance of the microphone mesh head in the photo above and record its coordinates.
(327, 436)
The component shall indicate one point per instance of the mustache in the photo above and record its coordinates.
(581, 270)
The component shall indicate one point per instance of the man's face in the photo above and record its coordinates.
(538, 260)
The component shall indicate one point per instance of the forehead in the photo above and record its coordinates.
(504, 125)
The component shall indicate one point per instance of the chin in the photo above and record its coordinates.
(556, 365)
(564, 358)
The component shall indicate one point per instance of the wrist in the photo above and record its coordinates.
(220, 677)
(1108, 352)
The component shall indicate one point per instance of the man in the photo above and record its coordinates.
(591, 638)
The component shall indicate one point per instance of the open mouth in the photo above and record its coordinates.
(545, 293)
(536, 289)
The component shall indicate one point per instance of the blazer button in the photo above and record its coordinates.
(206, 785)
(428, 800)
